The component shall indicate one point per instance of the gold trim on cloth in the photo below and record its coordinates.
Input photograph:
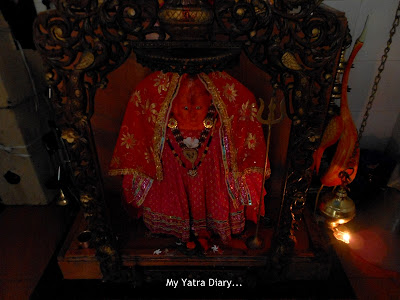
(256, 170)
(248, 171)
(222, 111)
(129, 171)
(165, 222)
(159, 129)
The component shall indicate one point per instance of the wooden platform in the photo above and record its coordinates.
(140, 248)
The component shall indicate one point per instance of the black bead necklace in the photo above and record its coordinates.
(191, 154)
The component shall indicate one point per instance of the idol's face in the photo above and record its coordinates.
(191, 105)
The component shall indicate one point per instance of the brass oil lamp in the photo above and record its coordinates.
(337, 208)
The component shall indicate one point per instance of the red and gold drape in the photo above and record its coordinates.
(227, 189)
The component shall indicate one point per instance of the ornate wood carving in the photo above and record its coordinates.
(295, 41)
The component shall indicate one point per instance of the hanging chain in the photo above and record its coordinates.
(378, 76)
(345, 175)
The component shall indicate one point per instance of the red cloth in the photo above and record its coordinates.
(227, 188)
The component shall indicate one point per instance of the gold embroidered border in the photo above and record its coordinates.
(159, 130)
(165, 222)
(135, 175)
(146, 191)
(231, 215)
(256, 170)
(226, 229)
(129, 171)
(222, 111)
(164, 216)
(226, 224)
(253, 170)
(172, 224)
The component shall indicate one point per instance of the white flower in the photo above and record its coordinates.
(191, 142)
(157, 252)
(215, 248)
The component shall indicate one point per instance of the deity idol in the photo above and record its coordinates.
(192, 154)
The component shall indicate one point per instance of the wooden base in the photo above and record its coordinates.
(162, 256)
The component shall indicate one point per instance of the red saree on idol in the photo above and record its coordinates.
(192, 154)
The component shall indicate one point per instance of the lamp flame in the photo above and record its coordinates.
(342, 235)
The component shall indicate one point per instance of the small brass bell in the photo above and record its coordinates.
(337, 207)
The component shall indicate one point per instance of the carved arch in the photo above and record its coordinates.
(296, 42)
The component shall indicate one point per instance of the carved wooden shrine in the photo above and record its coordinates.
(296, 43)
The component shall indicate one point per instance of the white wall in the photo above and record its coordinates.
(40, 6)
(386, 107)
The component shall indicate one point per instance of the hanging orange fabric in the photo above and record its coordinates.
(341, 130)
